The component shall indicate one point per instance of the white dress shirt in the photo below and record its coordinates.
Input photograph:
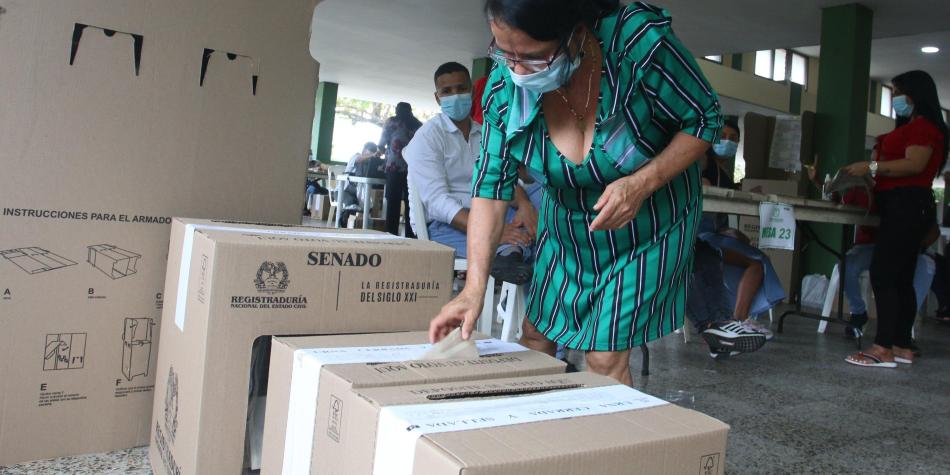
(441, 163)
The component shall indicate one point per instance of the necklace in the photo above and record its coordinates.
(580, 118)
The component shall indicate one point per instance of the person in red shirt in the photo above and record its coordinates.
(478, 91)
(904, 164)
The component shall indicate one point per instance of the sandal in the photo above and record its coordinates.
(866, 359)
(901, 359)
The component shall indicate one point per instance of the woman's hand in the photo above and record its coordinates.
(620, 202)
(463, 311)
(857, 169)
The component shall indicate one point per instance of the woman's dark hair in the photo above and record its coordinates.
(546, 20)
(920, 87)
(732, 123)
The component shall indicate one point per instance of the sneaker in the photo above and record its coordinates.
(730, 335)
(512, 268)
(754, 326)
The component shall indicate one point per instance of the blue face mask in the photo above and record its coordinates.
(726, 148)
(457, 107)
(901, 107)
(549, 79)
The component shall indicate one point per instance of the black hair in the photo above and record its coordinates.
(404, 116)
(732, 124)
(546, 20)
(449, 68)
(371, 147)
(403, 110)
(920, 87)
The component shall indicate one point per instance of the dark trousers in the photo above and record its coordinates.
(907, 213)
(397, 193)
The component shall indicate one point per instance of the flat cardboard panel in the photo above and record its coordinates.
(250, 281)
(95, 152)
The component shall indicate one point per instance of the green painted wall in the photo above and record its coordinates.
(324, 114)
(480, 68)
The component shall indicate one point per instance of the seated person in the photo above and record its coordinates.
(357, 166)
(313, 187)
(441, 158)
(731, 279)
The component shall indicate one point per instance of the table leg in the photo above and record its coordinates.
(366, 206)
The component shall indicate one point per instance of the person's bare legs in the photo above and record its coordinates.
(615, 364)
(532, 339)
(749, 284)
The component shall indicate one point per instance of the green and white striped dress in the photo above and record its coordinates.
(607, 290)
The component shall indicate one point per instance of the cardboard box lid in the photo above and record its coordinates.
(586, 426)
(297, 237)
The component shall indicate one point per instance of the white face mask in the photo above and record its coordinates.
(549, 79)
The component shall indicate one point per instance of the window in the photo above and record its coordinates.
(886, 95)
(715, 58)
(763, 63)
(799, 69)
(778, 63)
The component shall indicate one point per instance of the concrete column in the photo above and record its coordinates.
(843, 82)
(323, 116)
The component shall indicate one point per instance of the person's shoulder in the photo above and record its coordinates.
(633, 24)
(435, 125)
(431, 131)
(924, 124)
(497, 93)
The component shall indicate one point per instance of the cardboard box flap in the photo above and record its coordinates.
(419, 394)
(512, 363)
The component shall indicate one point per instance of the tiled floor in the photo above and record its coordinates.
(794, 407)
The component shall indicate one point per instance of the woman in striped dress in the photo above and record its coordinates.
(604, 106)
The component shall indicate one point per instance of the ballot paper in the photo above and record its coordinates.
(452, 347)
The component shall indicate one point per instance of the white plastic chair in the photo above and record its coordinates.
(418, 211)
(336, 187)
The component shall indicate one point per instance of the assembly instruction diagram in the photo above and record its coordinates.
(113, 261)
(136, 347)
(35, 260)
(64, 351)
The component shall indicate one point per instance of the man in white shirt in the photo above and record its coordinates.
(441, 160)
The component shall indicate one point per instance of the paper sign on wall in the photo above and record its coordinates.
(776, 226)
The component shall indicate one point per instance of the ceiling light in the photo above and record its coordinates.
(930, 49)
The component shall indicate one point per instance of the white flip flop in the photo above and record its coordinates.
(875, 361)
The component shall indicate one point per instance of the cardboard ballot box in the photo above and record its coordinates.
(311, 378)
(229, 284)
